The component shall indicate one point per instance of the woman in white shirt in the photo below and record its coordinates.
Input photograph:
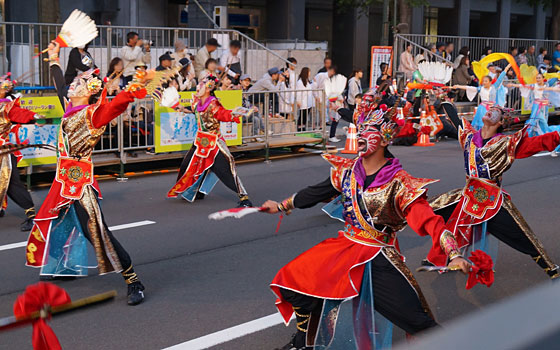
(304, 98)
(286, 96)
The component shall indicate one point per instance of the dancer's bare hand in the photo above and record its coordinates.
(271, 207)
(463, 264)
(53, 48)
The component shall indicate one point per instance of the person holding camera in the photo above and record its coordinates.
(133, 52)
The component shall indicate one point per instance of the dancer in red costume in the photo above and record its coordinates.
(71, 212)
(11, 115)
(361, 271)
(482, 207)
(209, 155)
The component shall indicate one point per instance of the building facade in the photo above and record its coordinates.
(348, 32)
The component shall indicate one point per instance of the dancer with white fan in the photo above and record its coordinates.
(71, 214)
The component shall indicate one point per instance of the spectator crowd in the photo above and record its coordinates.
(291, 92)
(463, 74)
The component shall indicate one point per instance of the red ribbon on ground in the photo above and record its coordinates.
(482, 269)
(35, 298)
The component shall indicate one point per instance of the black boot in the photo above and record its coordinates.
(27, 225)
(135, 294)
(2, 213)
(200, 195)
(299, 339)
(297, 343)
(244, 202)
(552, 271)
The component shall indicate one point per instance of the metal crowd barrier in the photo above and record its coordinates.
(476, 45)
(277, 116)
(19, 42)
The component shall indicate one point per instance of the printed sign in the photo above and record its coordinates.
(49, 106)
(380, 54)
(32, 134)
(175, 131)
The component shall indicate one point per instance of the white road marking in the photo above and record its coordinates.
(131, 225)
(541, 154)
(229, 334)
(112, 228)
(13, 246)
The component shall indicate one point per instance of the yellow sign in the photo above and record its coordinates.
(175, 131)
(49, 106)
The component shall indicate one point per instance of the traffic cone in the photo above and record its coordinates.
(423, 139)
(351, 146)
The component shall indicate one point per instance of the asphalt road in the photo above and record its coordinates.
(204, 276)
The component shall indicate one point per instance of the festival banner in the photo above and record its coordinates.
(48, 106)
(32, 134)
(175, 131)
(380, 54)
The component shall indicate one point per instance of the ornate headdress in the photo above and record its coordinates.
(85, 84)
(6, 83)
(370, 101)
(210, 82)
(388, 123)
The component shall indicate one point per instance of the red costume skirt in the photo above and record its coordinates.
(333, 269)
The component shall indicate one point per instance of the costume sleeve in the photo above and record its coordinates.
(59, 82)
(224, 115)
(110, 110)
(20, 115)
(422, 220)
(315, 194)
(531, 145)
(500, 79)
(346, 114)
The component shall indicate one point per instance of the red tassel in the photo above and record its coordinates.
(279, 222)
(35, 298)
(482, 271)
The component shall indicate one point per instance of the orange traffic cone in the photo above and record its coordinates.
(423, 139)
(351, 146)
